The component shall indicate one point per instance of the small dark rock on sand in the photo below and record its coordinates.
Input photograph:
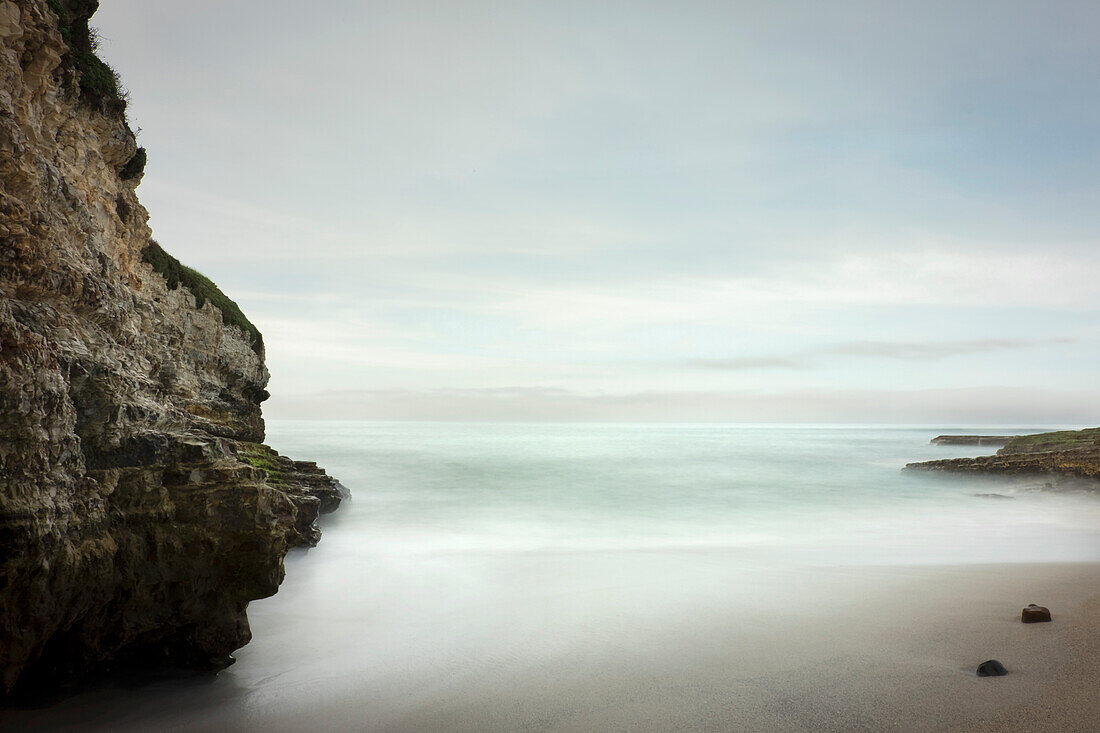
(1035, 614)
(991, 668)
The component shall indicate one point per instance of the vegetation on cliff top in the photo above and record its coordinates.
(1058, 440)
(135, 166)
(99, 83)
(176, 274)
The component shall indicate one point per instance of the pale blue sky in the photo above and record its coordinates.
(701, 210)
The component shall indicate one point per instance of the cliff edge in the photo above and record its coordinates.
(139, 510)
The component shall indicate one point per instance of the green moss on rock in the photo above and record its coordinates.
(200, 286)
(260, 456)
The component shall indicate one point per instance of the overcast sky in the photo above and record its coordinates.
(842, 211)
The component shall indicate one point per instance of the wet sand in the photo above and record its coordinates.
(1069, 700)
(801, 649)
(877, 649)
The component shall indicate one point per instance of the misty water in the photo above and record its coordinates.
(768, 493)
(472, 554)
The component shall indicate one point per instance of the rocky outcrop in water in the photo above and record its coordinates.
(972, 439)
(1068, 453)
(139, 510)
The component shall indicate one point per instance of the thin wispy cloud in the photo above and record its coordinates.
(905, 351)
(751, 363)
(972, 405)
(920, 351)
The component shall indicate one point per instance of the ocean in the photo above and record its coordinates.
(774, 493)
(473, 555)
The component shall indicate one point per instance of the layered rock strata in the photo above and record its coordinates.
(1070, 453)
(139, 510)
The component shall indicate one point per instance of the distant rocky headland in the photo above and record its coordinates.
(140, 511)
(972, 439)
(1068, 453)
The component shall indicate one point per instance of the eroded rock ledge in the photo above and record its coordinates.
(140, 511)
(972, 439)
(1069, 453)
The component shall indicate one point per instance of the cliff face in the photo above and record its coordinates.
(138, 511)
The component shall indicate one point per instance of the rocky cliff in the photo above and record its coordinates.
(1070, 453)
(139, 510)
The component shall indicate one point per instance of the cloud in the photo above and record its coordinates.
(705, 195)
(764, 362)
(992, 405)
(931, 350)
(903, 350)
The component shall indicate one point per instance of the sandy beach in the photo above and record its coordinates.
(810, 649)
(866, 649)
(1068, 699)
